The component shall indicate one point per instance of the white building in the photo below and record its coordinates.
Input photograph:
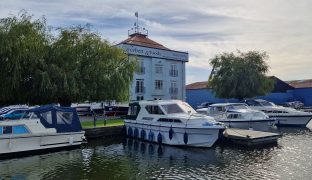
(161, 74)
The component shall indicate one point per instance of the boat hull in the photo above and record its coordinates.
(257, 125)
(24, 144)
(196, 137)
(296, 121)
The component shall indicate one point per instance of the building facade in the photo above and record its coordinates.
(161, 72)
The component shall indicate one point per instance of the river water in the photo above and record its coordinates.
(132, 159)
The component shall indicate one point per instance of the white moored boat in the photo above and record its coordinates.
(171, 122)
(238, 115)
(42, 128)
(283, 116)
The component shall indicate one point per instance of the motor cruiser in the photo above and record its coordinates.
(238, 115)
(283, 116)
(171, 122)
(42, 128)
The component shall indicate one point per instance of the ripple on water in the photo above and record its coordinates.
(132, 159)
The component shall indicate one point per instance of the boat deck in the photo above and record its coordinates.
(250, 137)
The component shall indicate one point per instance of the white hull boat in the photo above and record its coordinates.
(238, 115)
(171, 122)
(283, 116)
(39, 132)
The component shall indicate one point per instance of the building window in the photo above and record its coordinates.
(141, 68)
(158, 84)
(174, 70)
(173, 90)
(139, 98)
(139, 86)
(158, 69)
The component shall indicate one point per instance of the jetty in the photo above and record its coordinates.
(250, 137)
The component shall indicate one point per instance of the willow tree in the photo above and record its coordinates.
(241, 75)
(23, 48)
(39, 67)
(85, 67)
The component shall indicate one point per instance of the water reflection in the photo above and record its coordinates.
(125, 158)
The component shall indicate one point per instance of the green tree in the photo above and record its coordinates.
(23, 48)
(241, 75)
(38, 67)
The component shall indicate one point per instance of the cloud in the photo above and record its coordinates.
(202, 28)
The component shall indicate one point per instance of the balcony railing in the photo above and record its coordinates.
(141, 70)
(173, 90)
(173, 73)
(139, 89)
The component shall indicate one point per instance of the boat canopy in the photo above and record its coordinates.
(63, 119)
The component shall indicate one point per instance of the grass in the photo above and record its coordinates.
(100, 123)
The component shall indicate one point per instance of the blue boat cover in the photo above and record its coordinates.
(63, 119)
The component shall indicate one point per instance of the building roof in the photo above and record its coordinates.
(301, 83)
(198, 85)
(142, 40)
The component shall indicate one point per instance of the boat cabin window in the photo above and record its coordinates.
(47, 116)
(169, 120)
(154, 110)
(64, 117)
(172, 108)
(30, 115)
(19, 129)
(7, 129)
(133, 111)
(237, 106)
(216, 109)
(234, 116)
(252, 103)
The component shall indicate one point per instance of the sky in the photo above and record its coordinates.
(282, 28)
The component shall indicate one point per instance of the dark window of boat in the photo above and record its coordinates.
(7, 129)
(169, 120)
(1, 128)
(133, 111)
(154, 109)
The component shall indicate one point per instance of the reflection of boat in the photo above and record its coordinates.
(153, 153)
(171, 122)
(238, 115)
(283, 116)
(42, 128)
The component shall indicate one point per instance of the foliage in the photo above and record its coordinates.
(101, 123)
(240, 76)
(38, 67)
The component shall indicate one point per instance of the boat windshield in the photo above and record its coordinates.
(266, 103)
(30, 115)
(237, 106)
(172, 108)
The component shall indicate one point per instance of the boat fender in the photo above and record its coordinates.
(185, 138)
(143, 134)
(151, 136)
(130, 131)
(136, 133)
(170, 133)
(159, 138)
